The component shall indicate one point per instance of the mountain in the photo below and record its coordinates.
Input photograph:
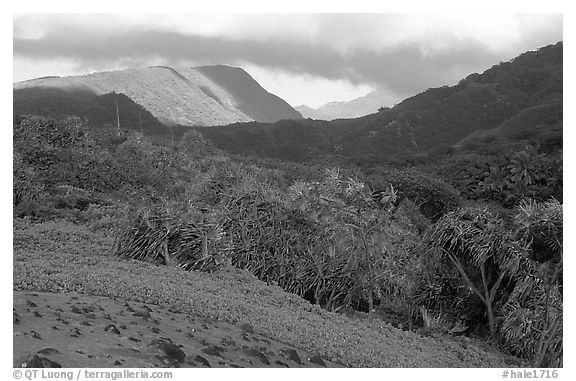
(204, 96)
(436, 118)
(250, 98)
(355, 108)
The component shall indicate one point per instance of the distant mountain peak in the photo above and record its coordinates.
(355, 108)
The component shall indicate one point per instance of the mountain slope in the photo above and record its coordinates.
(96, 110)
(251, 98)
(183, 96)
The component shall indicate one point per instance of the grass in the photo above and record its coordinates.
(65, 257)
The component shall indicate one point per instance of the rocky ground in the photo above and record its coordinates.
(75, 330)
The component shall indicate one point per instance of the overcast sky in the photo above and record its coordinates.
(305, 59)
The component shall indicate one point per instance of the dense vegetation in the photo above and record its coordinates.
(400, 242)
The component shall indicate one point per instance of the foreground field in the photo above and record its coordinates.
(60, 265)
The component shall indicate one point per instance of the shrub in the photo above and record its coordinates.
(433, 197)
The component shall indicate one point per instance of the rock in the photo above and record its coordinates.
(202, 361)
(155, 330)
(112, 328)
(227, 342)
(142, 314)
(87, 310)
(37, 314)
(48, 351)
(213, 350)
(291, 354)
(117, 362)
(146, 308)
(278, 362)
(76, 310)
(34, 335)
(15, 318)
(170, 350)
(316, 359)
(257, 354)
(36, 361)
(128, 307)
(63, 321)
(30, 303)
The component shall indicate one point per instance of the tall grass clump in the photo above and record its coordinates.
(170, 235)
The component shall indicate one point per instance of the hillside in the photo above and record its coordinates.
(439, 117)
(97, 111)
(182, 96)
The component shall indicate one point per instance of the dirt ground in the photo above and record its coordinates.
(75, 330)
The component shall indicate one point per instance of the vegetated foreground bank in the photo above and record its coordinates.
(66, 258)
(399, 242)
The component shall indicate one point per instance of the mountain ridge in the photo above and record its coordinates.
(177, 96)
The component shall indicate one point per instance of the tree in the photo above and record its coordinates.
(475, 242)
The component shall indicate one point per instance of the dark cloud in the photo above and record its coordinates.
(403, 70)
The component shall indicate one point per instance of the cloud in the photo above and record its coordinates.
(403, 53)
